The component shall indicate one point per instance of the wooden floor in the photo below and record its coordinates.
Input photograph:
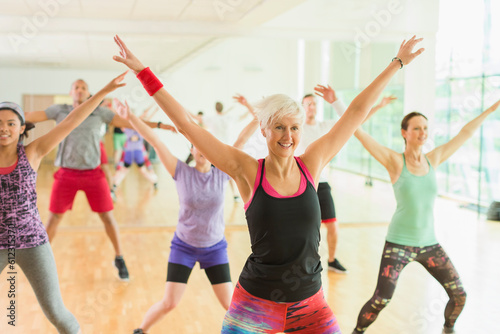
(147, 219)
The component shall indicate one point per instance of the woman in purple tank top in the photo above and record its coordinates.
(23, 240)
(279, 289)
(199, 236)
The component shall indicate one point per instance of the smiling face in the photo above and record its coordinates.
(416, 131)
(283, 135)
(10, 127)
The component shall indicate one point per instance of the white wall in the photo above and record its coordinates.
(257, 67)
(370, 25)
(252, 67)
(249, 66)
(18, 81)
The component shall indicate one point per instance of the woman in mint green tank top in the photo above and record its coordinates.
(411, 234)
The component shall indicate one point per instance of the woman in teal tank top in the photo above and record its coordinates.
(411, 234)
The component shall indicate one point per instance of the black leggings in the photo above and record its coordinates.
(394, 258)
(216, 274)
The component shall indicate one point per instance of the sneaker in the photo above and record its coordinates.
(113, 195)
(448, 330)
(122, 268)
(337, 267)
(138, 331)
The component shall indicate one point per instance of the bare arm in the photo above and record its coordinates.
(384, 102)
(387, 157)
(390, 159)
(43, 145)
(166, 157)
(239, 165)
(120, 122)
(329, 95)
(325, 148)
(441, 153)
(36, 116)
(251, 127)
(146, 115)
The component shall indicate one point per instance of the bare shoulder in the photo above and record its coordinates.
(312, 163)
(248, 166)
(244, 174)
(32, 155)
(395, 166)
(433, 157)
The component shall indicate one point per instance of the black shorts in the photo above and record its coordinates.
(326, 203)
(216, 274)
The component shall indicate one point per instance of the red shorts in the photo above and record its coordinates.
(68, 181)
(104, 157)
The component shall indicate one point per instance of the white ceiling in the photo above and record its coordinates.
(79, 33)
(166, 33)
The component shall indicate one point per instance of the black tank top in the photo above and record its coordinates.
(285, 232)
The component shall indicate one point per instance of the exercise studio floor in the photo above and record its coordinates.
(147, 219)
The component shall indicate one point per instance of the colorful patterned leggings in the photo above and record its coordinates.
(395, 257)
(250, 314)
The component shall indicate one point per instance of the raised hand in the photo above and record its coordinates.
(494, 106)
(241, 99)
(405, 50)
(115, 83)
(127, 57)
(123, 110)
(327, 93)
(168, 127)
(387, 100)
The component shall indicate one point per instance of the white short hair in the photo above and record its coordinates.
(277, 106)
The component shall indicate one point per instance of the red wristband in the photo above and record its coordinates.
(149, 81)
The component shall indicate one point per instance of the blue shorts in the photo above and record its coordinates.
(187, 255)
(136, 156)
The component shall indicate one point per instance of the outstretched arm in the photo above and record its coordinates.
(390, 159)
(387, 157)
(166, 157)
(146, 116)
(43, 145)
(120, 122)
(248, 130)
(441, 153)
(329, 95)
(325, 148)
(36, 116)
(386, 100)
(233, 162)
